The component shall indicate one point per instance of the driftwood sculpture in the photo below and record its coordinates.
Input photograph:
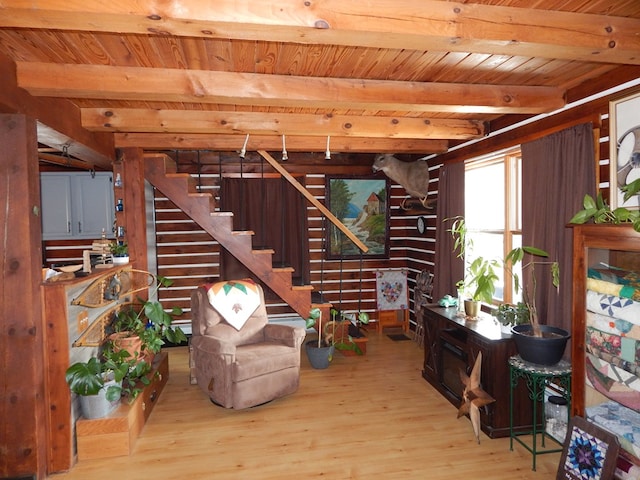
(413, 176)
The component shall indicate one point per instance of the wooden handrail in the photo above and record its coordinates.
(315, 202)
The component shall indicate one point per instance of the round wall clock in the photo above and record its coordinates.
(422, 225)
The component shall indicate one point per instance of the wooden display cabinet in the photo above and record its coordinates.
(595, 245)
(452, 343)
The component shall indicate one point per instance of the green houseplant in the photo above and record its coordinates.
(320, 352)
(479, 283)
(509, 315)
(119, 252)
(344, 332)
(147, 324)
(101, 381)
(599, 211)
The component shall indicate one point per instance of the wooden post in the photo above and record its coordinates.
(135, 220)
(22, 387)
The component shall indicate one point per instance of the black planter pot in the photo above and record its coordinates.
(546, 351)
(318, 357)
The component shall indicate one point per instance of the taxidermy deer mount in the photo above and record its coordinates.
(413, 176)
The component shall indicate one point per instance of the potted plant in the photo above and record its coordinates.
(599, 210)
(346, 334)
(101, 381)
(119, 253)
(509, 316)
(536, 343)
(319, 352)
(479, 283)
(143, 327)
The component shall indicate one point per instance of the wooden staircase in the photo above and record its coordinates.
(180, 188)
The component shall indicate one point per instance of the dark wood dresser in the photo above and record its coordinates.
(452, 343)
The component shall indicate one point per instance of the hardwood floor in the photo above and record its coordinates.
(364, 417)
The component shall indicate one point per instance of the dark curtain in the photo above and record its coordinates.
(276, 212)
(448, 269)
(557, 171)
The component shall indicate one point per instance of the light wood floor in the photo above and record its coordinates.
(369, 417)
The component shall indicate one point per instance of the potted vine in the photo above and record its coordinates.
(142, 328)
(320, 351)
(599, 210)
(346, 333)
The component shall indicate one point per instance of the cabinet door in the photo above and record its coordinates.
(76, 205)
(93, 205)
(55, 194)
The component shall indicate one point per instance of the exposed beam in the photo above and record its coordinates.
(406, 24)
(176, 121)
(58, 121)
(197, 86)
(231, 143)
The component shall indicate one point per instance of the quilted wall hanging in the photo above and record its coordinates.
(391, 289)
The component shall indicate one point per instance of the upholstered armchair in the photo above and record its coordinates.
(241, 363)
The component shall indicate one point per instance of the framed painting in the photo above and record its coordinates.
(362, 205)
(624, 141)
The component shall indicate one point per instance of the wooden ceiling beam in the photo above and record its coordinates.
(197, 86)
(192, 121)
(58, 121)
(234, 143)
(426, 25)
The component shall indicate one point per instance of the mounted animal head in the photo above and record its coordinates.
(413, 176)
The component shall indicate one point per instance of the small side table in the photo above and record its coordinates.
(537, 378)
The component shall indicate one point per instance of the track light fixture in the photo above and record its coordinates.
(327, 153)
(243, 152)
(285, 157)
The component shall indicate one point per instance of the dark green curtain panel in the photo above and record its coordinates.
(557, 171)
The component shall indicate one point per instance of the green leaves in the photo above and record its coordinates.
(599, 211)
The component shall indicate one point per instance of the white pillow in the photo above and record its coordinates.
(235, 300)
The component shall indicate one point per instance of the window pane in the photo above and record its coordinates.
(484, 197)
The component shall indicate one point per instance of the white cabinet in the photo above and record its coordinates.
(76, 205)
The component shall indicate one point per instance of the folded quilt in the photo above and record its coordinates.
(625, 423)
(613, 325)
(626, 348)
(614, 281)
(614, 383)
(614, 306)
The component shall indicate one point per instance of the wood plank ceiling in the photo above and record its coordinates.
(380, 75)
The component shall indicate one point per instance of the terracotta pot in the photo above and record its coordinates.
(131, 343)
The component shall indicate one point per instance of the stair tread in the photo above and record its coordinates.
(270, 251)
(243, 232)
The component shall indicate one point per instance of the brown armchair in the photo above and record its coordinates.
(240, 368)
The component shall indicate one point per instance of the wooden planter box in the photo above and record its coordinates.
(361, 342)
(116, 434)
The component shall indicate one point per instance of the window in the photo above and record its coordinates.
(493, 187)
